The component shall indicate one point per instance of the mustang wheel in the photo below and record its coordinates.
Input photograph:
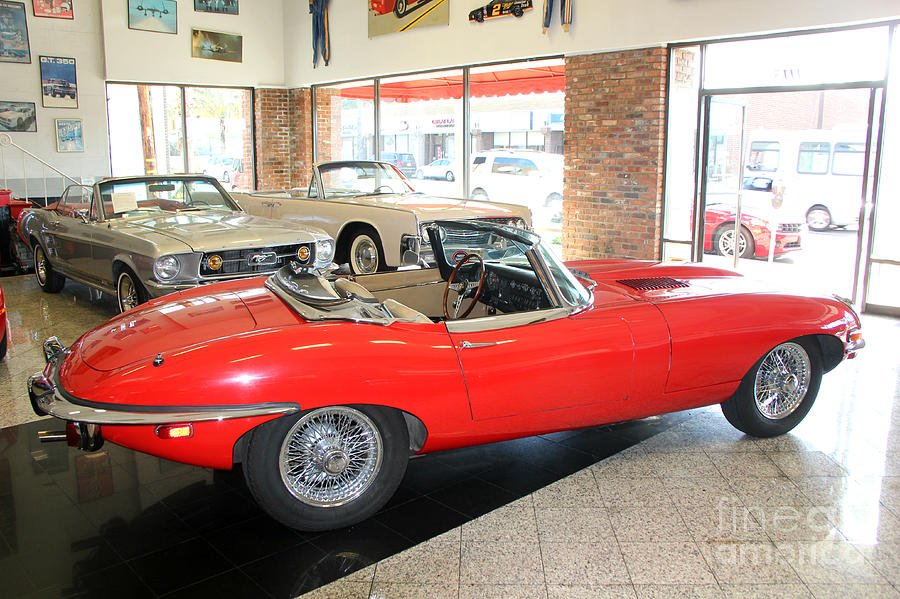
(328, 467)
(365, 255)
(723, 241)
(129, 292)
(778, 391)
(49, 280)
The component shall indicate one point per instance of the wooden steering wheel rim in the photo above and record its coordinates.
(459, 265)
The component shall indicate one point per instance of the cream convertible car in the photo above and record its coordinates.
(143, 237)
(373, 213)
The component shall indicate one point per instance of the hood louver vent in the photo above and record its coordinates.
(652, 283)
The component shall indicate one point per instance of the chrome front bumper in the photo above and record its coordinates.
(49, 398)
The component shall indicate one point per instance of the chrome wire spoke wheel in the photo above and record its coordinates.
(331, 456)
(782, 381)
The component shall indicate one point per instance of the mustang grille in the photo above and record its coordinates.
(649, 283)
(251, 261)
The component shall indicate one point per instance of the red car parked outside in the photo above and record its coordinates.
(755, 237)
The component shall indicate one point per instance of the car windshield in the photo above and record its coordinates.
(123, 198)
(509, 246)
(349, 179)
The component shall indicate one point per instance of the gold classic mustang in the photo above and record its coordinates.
(143, 237)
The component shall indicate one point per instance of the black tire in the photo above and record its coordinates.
(3, 342)
(479, 16)
(742, 409)
(311, 506)
(400, 8)
(363, 248)
(226, 178)
(420, 174)
(480, 195)
(48, 279)
(517, 11)
(745, 236)
(449, 176)
(125, 299)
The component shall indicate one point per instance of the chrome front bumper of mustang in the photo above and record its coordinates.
(49, 398)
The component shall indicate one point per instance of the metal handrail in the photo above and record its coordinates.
(7, 142)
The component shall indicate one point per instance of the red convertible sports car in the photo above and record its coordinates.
(382, 7)
(322, 386)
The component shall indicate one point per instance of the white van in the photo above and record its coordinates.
(821, 170)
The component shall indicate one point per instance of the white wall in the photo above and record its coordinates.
(149, 57)
(79, 39)
(599, 25)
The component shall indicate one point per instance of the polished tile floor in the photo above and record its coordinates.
(677, 506)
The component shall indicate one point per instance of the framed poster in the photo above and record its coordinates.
(69, 135)
(53, 9)
(216, 46)
(395, 16)
(223, 7)
(13, 33)
(59, 87)
(160, 16)
(17, 116)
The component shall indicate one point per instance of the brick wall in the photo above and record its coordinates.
(615, 126)
(273, 139)
(301, 137)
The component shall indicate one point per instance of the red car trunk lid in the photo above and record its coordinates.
(163, 328)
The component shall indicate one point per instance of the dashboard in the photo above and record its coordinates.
(511, 289)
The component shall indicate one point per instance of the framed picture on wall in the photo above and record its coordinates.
(160, 16)
(13, 33)
(53, 9)
(69, 135)
(216, 46)
(17, 116)
(223, 7)
(59, 85)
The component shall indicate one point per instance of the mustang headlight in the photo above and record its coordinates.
(324, 252)
(166, 268)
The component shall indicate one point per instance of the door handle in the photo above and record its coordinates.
(470, 345)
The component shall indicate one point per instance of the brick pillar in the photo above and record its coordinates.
(273, 139)
(615, 131)
(301, 137)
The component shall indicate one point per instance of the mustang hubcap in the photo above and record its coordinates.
(331, 456)
(127, 294)
(782, 381)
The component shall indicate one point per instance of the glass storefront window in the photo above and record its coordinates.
(218, 137)
(421, 120)
(516, 130)
(345, 121)
(818, 58)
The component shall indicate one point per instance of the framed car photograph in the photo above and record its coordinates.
(222, 7)
(59, 85)
(160, 16)
(53, 9)
(14, 45)
(69, 135)
(214, 45)
(17, 116)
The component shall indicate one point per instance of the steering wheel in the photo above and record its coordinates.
(462, 288)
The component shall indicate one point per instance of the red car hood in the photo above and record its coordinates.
(621, 277)
(165, 326)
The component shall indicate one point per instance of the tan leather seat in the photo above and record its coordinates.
(345, 286)
(404, 312)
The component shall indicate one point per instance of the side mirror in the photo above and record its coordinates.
(83, 215)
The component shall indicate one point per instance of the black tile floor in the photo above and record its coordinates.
(118, 523)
